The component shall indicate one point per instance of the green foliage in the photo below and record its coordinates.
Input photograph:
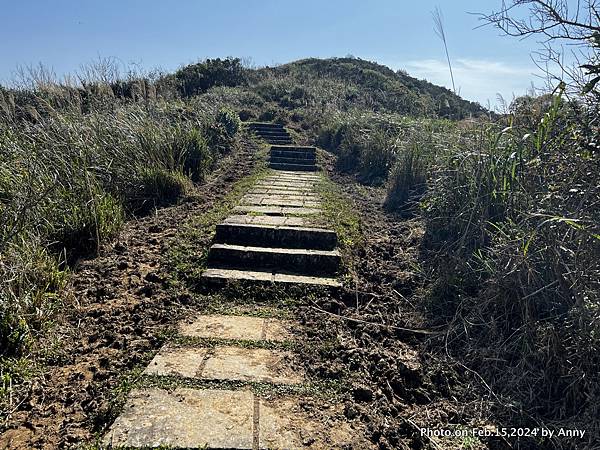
(407, 181)
(198, 78)
(376, 157)
(160, 187)
(77, 222)
(30, 280)
(509, 215)
(230, 120)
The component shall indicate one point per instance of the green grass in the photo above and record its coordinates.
(340, 214)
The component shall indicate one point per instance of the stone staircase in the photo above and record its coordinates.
(293, 158)
(272, 235)
(273, 133)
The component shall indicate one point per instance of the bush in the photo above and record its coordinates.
(159, 187)
(79, 221)
(517, 255)
(230, 120)
(198, 78)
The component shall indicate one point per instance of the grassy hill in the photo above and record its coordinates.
(510, 256)
(373, 86)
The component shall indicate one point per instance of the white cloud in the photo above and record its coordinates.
(476, 79)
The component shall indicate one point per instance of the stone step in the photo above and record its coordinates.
(265, 125)
(291, 160)
(223, 276)
(278, 141)
(245, 328)
(279, 201)
(225, 363)
(277, 221)
(277, 210)
(272, 132)
(284, 190)
(293, 154)
(293, 148)
(297, 261)
(276, 236)
(297, 167)
(267, 199)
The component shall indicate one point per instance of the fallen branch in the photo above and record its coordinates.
(351, 319)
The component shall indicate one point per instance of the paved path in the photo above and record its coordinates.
(270, 236)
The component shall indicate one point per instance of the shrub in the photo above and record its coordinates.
(198, 78)
(230, 120)
(78, 222)
(159, 187)
(517, 251)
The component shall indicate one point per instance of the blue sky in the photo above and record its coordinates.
(63, 34)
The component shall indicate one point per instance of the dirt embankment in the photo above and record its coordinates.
(121, 302)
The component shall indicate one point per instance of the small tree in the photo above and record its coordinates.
(560, 24)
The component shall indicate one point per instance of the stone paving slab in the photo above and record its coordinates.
(286, 173)
(225, 363)
(282, 202)
(270, 191)
(279, 198)
(276, 221)
(224, 275)
(236, 327)
(184, 362)
(185, 418)
(251, 364)
(277, 210)
(286, 184)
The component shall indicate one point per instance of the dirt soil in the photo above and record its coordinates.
(122, 302)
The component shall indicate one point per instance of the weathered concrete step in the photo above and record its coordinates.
(293, 148)
(299, 167)
(278, 221)
(291, 160)
(298, 177)
(298, 261)
(267, 199)
(304, 185)
(283, 201)
(272, 132)
(276, 236)
(226, 363)
(278, 141)
(294, 177)
(225, 275)
(293, 154)
(277, 210)
(269, 125)
(289, 181)
(225, 419)
(281, 191)
(246, 328)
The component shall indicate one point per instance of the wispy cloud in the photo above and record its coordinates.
(476, 79)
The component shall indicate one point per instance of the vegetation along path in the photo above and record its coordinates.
(212, 385)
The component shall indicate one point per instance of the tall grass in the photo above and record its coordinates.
(75, 162)
(514, 244)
